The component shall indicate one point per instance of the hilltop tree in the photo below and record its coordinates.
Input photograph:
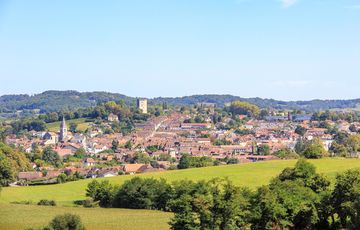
(244, 108)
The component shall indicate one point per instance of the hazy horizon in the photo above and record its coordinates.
(136, 96)
(279, 49)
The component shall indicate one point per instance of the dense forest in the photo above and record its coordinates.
(53, 101)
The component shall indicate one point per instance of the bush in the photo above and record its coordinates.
(88, 203)
(26, 202)
(46, 203)
(67, 222)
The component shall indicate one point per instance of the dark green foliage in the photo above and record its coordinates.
(140, 158)
(263, 150)
(300, 130)
(230, 161)
(153, 148)
(47, 203)
(286, 154)
(62, 178)
(139, 193)
(7, 174)
(219, 142)
(346, 199)
(51, 157)
(285, 204)
(80, 153)
(314, 151)
(216, 204)
(244, 108)
(73, 127)
(11, 162)
(187, 161)
(102, 192)
(66, 222)
(114, 145)
(306, 174)
(291, 200)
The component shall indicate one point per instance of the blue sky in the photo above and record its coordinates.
(282, 49)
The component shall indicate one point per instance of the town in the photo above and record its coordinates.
(172, 138)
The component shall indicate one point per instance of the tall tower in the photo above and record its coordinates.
(142, 105)
(63, 130)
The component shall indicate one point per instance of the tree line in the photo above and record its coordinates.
(298, 198)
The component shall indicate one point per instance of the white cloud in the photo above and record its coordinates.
(288, 3)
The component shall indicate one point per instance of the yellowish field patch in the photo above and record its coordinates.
(82, 125)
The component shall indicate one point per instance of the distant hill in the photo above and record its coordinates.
(220, 100)
(50, 101)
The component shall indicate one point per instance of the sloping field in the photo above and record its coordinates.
(81, 123)
(251, 175)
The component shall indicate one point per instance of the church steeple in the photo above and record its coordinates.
(63, 130)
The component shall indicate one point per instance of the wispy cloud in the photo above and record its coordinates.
(288, 3)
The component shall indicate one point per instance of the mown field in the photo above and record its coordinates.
(82, 125)
(14, 216)
(251, 175)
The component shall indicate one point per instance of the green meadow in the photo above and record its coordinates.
(15, 216)
(251, 175)
(81, 123)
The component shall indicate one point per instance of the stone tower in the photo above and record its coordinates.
(63, 130)
(142, 105)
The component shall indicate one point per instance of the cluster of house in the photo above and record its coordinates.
(171, 136)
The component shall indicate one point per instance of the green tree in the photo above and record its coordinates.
(216, 204)
(315, 150)
(114, 145)
(102, 192)
(300, 130)
(286, 154)
(73, 127)
(263, 150)
(139, 193)
(61, 178)
(7, 174)
(140, 158)
(346, 199)
(51, 157)
(244, 108)
(80, 153)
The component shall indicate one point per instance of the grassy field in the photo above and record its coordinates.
(251, 175)
(82, 125)
(14, 216)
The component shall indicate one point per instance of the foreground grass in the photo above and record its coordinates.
(81, 123)
(251, 175)
(14, 216)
